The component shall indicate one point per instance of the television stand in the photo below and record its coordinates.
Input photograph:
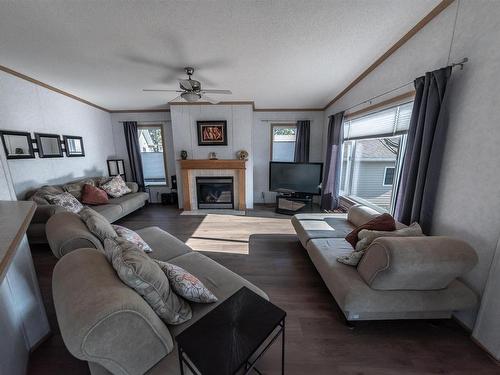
(291, 204)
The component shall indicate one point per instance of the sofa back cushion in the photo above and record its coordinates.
(97, 224)
(104, 321)
(38, 195)
(75, 187)
(415, 263)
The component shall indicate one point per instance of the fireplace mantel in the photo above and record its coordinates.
(187, 167)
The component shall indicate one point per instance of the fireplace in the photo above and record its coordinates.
(215, 192)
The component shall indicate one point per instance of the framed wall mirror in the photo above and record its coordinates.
(73, 146)
(49, 145)
(17, 145)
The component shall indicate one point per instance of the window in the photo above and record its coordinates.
(283, 142)
(152, 154)
(389, 176)
(372, 154)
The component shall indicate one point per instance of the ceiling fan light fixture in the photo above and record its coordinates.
(190, 97)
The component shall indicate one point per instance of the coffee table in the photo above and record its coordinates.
(232, 337)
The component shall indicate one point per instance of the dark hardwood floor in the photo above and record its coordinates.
(262, 247)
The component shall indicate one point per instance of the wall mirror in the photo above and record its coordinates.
(49, 145)
(73, 145)
(17, 145)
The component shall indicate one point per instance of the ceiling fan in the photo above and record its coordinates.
(191, 90)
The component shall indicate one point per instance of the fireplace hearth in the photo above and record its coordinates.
(215, 192)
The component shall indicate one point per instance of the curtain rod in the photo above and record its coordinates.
(460, 64)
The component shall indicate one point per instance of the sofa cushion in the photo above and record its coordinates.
(308, 229)
(383, 222)
(38, 196)
(66, 201)
(75, 187)
(164, 245)
(132, 236)
(141, 273)
(93, 195)
(111, 212)
(221, 282)
(130, 202)
(186, 284)
(115, 187)
(97, 224)
(415, 263)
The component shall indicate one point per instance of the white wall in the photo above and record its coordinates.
(239, 132)
(468, 198)
(163, 118)
(25, 106)
(262, 146)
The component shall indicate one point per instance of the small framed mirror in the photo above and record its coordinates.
(73, 146)
(17, 145)
(49, 145)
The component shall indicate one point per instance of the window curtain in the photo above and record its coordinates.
(331, 179)
(134, 152)
(302, 141)
(424, 151)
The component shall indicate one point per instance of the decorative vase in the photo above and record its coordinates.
(184, 154)
(242, 155)
(212, 156)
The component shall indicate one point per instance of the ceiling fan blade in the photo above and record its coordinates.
(186, 83)
(209, 99)
(155, 90)
(209, 91)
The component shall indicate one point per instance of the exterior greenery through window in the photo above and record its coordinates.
(152, 154)
(372, 154)
(283, 138)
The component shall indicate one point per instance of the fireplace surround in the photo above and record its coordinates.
(214, 192)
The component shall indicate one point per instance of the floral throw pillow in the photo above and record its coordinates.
(116, 187)
(185, 284)
(130, 235)
(66, 201)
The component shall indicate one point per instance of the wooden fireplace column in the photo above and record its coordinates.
(188, 165)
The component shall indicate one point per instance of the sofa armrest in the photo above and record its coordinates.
(133, 186)
(104, 321)
(44, 212)
(67, 232)
(415, 263)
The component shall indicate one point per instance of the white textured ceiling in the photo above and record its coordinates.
(280, 54)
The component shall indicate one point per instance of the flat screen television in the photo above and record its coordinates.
(289, 177)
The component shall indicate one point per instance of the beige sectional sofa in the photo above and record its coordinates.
(114, 210)
(398, 278)
(108, 324)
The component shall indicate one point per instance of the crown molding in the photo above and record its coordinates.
(49, 87)
(414, 30)
(139, 110)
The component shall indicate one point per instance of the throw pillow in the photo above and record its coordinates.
(185, 284)
(352, 259)
(97, 224)
(116, 187)
(66, 201)
(93, 195)
(138, 271)
(383, 222)
(130, 235)
(366, 237)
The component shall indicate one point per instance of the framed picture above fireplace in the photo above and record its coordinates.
(212, 133)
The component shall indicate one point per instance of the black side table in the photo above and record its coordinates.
(233, 336)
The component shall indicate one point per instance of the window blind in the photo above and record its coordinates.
(387, 122)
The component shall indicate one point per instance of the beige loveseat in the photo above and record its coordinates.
(398, 278)
(106, 323)
(114, 210)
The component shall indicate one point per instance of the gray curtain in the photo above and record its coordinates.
(424, 150)
(302, 142)
(331, 179)
(134, 152)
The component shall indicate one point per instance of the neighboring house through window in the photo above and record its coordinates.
(372, 154)
(153, 154)
(283, 138)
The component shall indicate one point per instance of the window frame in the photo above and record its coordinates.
(393, 175)
(163, 141)
(281, 125)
